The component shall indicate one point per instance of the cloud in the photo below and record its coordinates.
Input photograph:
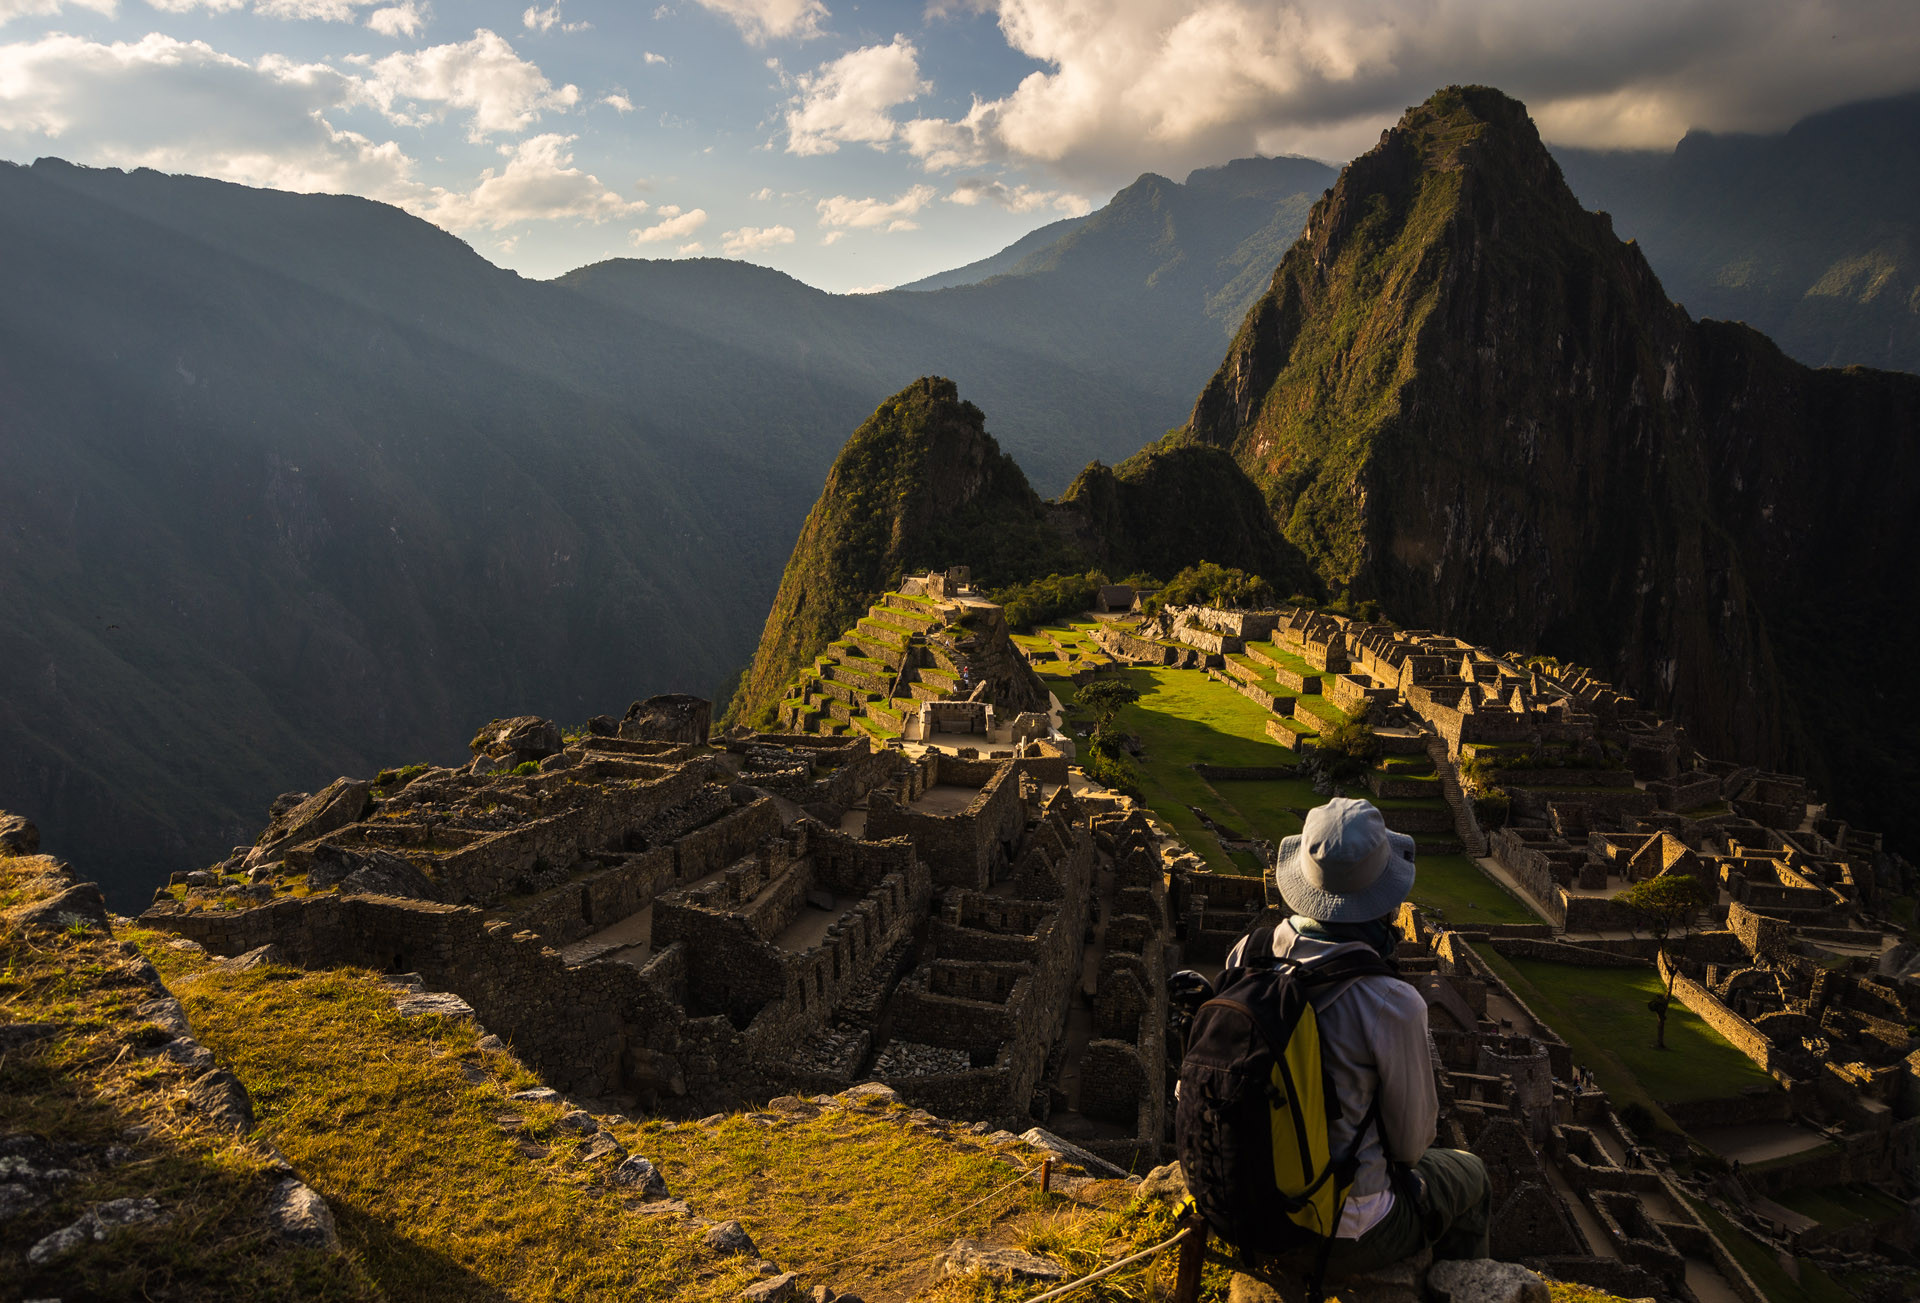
(673, 225)
(650, 57)
(754, 239)
(536, 19)
(851, 99)
(1016, 198)
(763, 194)
(188, 6)
(483, 76)
(615, 100)
(763, 20)
(894, 215)
(539, 183)
(11, 9)
(689, 250)
(182, 106)
(408, 18)
(870, 289)
(1128, 85)
(326, 11)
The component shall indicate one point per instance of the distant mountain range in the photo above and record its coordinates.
(298, 485)
(1811, 236)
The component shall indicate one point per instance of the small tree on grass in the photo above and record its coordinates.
(1668, 902)
(1105, 697)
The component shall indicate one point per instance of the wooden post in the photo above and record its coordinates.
(1193, 1256)
(1046, 1175)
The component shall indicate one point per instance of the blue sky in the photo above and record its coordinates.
(862, 145)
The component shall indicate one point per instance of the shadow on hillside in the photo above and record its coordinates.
(405, 1270)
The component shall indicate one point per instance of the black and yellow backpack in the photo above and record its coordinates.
(1255, 1099)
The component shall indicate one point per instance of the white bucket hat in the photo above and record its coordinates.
(1345, 866)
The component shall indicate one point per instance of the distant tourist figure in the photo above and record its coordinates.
(1371, 1175)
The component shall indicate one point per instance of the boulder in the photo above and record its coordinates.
(219, 1098)
(968, 1256)
(80, 903)
(1167, 1182)
(364, 873)
(339, 803)
(871, 1094)
(729, 1237)
(18, 836)
(1065, 1151)
(258, 957)
(671, 717)
(382, 873)
(298, 1216)
(522, 738)
(1483, 1280)
(94, 1225)
(780, 1289)
(444, 1004)
(639, 1174)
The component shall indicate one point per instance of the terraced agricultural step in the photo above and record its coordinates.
(1324, 713)
(868, 677)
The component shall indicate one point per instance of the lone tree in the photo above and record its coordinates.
(1668, 902)
(1105, 697)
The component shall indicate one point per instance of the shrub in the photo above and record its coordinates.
(1208, 584)
(1043, 600)
(526, 768)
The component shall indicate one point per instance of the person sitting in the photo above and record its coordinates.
(1344, 877)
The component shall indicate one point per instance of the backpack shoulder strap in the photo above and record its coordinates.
(1257, 950)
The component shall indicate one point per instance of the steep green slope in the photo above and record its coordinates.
(1174, 504)
(1811, 235)
(920, 485)
(1465, 398)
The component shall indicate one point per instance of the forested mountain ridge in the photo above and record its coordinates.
(1465, 398)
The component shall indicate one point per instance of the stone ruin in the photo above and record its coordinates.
(684, 926)
(652, 917)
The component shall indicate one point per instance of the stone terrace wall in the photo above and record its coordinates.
(589, 1029)
(710, 849)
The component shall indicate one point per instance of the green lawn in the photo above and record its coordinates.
(1454, 887)
(1185, 718)
(1293, 662)
(1602, 1013)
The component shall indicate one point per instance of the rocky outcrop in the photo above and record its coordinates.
(339, 803)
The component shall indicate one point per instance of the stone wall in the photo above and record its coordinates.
(965, 849)
(1740, 1033)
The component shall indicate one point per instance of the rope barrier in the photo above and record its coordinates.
(1063, 1290)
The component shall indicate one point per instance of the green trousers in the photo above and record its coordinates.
(1451, 1215)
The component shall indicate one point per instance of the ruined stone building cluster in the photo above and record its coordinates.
(684, 923)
